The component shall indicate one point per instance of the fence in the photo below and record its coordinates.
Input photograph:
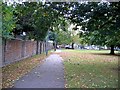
(15, 50)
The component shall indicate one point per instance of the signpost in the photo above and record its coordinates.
(46, 43)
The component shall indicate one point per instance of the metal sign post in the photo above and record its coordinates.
(46, 43)
(46, 46)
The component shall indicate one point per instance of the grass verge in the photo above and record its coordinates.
(90, 69)
(14, 71)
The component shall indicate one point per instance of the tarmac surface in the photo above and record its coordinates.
(49, 74)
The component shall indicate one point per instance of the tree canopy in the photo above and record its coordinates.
(8, 23)
(32, 18)
(99, 20)
(35, 19)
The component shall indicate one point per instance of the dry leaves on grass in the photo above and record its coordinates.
(87, 56)
(83, 70)
(13, 72)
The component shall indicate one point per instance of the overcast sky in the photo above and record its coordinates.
(20, 1)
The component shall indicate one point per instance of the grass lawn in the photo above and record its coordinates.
(90, 69)
(14, 71)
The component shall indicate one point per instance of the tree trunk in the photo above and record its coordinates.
(112, 50)
(72, 45)
(46, 48)
(54, 44)
(55, 47)
(37, 48)
(4, 50)
(40, 47)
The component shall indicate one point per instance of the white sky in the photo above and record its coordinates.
(20, 1)
(80, 1)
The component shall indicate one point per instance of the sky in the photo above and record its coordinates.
(9, 2)
(80, 1)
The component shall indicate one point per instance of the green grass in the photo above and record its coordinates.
(88, 51)
(90, 69)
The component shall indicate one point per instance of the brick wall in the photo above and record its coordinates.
(15, 50)
(12, 50)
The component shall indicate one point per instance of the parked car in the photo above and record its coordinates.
(68, 47)
(87, 47)
(117, 49)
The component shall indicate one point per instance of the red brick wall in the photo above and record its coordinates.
(12, 50)
(15, 50)
(29, 48)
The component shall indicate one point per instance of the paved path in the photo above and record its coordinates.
(49, 74)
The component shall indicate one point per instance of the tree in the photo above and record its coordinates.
(99, 21)
(59, 33)
(8, 22)
(32, 18)
(64, 37)
(35, 19)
